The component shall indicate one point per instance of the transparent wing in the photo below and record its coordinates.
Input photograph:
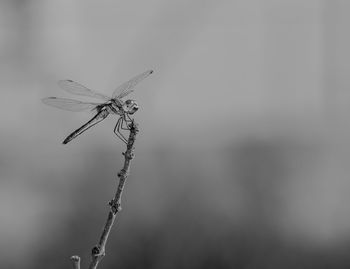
(69, 104)
(78, 89)
(127, 87)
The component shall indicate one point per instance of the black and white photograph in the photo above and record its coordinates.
(177, 134)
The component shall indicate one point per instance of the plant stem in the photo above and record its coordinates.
(98, 251)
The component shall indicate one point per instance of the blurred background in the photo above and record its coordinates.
(243, 155)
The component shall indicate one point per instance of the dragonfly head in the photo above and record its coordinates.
(130, 106)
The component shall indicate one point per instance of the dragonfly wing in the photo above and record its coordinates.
(78, 89)
(128, 87)
(69, 104)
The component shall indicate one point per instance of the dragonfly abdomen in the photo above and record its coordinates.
(101, 115)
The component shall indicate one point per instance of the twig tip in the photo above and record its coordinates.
(76, 261)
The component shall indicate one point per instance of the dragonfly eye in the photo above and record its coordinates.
(132, 106)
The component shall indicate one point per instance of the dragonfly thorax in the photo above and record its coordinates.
(130, 106)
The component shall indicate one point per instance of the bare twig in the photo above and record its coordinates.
(75, 261)
(98, 251)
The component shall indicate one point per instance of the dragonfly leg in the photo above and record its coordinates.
(117, 130)
(124, 124)
(128, 120)
(121, 127)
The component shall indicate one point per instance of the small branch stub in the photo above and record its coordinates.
(96, 251)
(115, 206)
(75, 262)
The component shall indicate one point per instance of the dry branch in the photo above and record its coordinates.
(98, 251)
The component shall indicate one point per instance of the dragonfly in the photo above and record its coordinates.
(114, 105)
